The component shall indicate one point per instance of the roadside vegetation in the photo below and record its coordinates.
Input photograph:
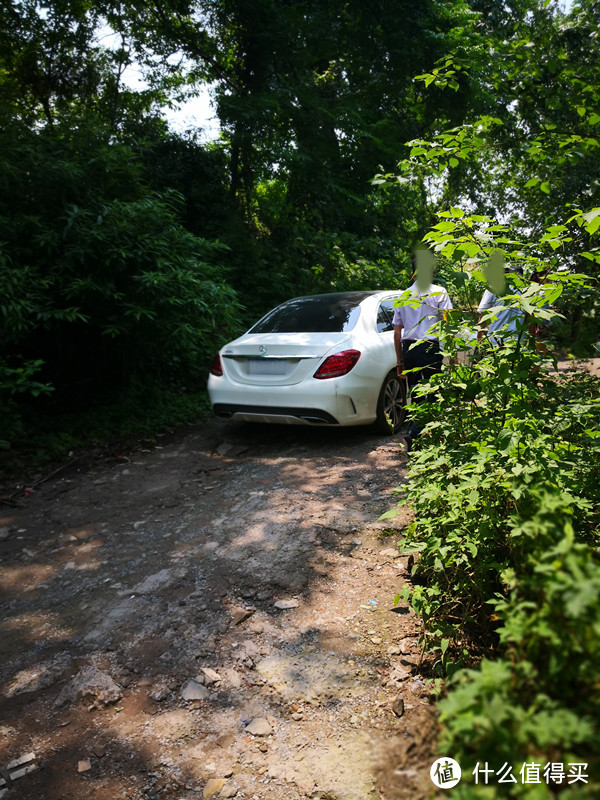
(505, 484)
(349, 133)
(505, 491)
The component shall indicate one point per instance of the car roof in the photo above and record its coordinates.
(356, 295)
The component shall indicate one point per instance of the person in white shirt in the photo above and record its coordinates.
(414, 324)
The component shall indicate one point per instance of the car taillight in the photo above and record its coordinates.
(215, 367)
(338, 364)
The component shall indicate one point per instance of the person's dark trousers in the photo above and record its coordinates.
(428, 358)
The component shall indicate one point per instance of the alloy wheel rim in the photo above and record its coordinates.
(391, 407)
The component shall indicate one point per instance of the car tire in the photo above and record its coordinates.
(391, 404)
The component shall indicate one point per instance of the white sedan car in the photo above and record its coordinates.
(325, 359)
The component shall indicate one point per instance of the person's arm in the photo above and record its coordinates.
(445, 304)
(398, 349)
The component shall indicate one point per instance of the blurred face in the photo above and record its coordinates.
(424, 271)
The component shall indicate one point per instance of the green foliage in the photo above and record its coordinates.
(15, 381)
(526, 151)
(49, 435)
(505, 489)
(504, 484)
(137, 274)
(99, 279)
(540, 699)
(311, 99)
(497, 430)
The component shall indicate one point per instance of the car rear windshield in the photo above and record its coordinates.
(321, 313)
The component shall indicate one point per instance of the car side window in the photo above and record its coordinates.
(385, 315)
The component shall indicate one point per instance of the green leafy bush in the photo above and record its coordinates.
(506, 488)
(101, 285)
(539, 700)
(505, 480)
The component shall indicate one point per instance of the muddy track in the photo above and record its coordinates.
(210, 617)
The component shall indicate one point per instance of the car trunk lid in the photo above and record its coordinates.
(269, 359)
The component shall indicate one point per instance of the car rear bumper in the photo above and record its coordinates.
(287, 404)
(281, 414)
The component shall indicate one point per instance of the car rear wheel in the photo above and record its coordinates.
(391, 405)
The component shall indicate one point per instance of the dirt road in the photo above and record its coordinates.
(209, 616)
